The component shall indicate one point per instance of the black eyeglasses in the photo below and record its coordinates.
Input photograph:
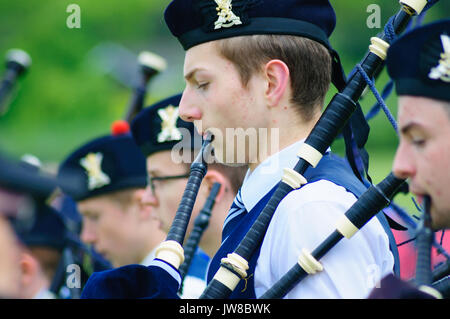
(151, 180)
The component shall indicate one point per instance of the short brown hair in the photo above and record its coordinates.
(235, 174)
(308, 61)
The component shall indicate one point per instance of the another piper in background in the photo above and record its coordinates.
(23, 221)
(170, 144)
(419, 64)
(112, 171)
(17, 63)
(44, 244)
(150, 65)
(10, 250)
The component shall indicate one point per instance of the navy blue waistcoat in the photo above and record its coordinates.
(332, 168)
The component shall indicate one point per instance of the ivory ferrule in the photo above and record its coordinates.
(309, 263)
(171, 252)
(227, 278)
(379, 47)
(152, 60)
(431, 291)
(293, 178)
(416, 5)
(239, 264)
(346, 227)
(309, 154)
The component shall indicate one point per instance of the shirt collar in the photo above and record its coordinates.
(147, 260)
(267, 174)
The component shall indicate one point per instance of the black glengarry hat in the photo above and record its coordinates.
(104, 165)
(48, 229)
(198, 21)
(419, 61)
(159, 128)
(20, 179)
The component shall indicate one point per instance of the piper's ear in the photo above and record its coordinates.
(213, 176)
(278, 77)
(29, 267)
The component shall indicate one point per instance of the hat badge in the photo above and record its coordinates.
(169, 130)
(226, 16)
(92, 164)
(442, 70)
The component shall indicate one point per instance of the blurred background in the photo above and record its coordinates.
(81, 79)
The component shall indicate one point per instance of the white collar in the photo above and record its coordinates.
(44, 293)
(146, 261)
(267, 174)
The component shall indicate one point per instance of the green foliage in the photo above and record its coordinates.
(64, 100)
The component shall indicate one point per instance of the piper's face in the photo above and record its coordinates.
(166, 195)
(216, 101)
(10, 272)
(111, 228)
(423, 154)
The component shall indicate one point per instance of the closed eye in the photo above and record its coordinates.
(419, 143)
(203, 86)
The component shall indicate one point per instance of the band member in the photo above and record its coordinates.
(424, 97)
(10, 254)
(22, 207)
(112, 173)
(264, 68)
(44, 244)
(418, 62)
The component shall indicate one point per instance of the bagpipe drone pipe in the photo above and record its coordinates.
(200, 224)
(17, 63)
(150, 65)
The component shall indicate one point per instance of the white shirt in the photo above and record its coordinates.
(44, 293)
(304, 218)
(148, 259)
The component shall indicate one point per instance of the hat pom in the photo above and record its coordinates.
(120, 127)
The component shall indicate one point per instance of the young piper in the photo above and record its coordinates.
(263, 68)
(419, 64)
(424, 112)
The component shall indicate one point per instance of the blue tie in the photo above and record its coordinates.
(235, 214)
